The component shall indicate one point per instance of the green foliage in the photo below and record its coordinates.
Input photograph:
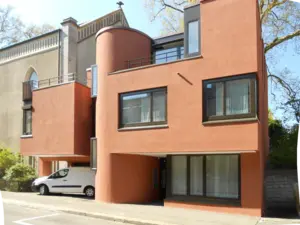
(283, 144)
(277, 132)
(7, 159)
(20, 173)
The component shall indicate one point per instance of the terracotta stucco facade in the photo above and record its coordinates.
(230, 45)
(61, 123)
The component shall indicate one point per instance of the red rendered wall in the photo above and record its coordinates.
(61, 121)
(230, 45)
(133, 175)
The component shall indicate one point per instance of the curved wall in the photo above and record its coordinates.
(113, 47)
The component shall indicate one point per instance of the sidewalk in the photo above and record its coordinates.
(128, 213)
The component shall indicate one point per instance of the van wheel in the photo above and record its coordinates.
(89, 191)
(43, 190)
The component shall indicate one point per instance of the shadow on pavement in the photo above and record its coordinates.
(286, 213)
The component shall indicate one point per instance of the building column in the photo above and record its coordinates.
(45, 167)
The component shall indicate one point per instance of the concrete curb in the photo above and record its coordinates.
(103, 216)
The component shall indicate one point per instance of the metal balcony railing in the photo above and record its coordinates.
(29, 86)
(156, 59)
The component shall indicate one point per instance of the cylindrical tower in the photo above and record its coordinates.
(114, 46)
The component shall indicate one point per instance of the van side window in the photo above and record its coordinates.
(60, 174)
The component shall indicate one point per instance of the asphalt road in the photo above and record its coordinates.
(14, 214)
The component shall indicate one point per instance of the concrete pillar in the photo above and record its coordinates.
(69, 37)
(45, 167)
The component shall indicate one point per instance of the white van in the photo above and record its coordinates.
(68, 180)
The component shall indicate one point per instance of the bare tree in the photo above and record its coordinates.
(280, 26)
(13, 30)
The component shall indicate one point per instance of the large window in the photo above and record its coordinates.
(27, 122)
(193, 37)
(230, 98)
(212, 176)
(143, 108)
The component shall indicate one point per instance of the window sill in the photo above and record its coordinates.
(24, 136)
(244, 120)
(144, 127)
(204, 200)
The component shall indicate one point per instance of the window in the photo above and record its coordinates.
(179, 175)
(34, 80)
(222, 176)
(169, 55)
(211, 176)
(94, 80)
(193, 37)
(143, 108)
(93, 160)
(230, 98)
(27, 122)
(196, 175)
(60, 174)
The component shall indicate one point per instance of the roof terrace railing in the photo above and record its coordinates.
(29, 86)
(156, 59)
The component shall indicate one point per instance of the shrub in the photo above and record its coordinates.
(7, 159)
(19, 177)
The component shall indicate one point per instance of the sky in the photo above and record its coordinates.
(54, 11)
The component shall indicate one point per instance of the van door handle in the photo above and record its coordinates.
(64, 180)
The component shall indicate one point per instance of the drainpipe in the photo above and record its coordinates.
(59, 49)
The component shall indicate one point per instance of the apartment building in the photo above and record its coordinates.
(180, 118)
(53, 58)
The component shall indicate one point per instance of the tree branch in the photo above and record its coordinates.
(170, 6)
(278, 41)
(269, 8)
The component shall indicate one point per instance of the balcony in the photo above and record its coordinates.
(158, 57)
(30, 86)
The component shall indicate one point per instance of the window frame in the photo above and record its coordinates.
(151, 123)
(188, 180)
(253, 103)
(188, 40)
(25, 120)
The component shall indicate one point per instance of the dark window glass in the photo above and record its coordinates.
(27, 123)
(230, 98)
(60, 174)
(143, 108)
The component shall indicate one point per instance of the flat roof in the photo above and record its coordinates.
(169, 38)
